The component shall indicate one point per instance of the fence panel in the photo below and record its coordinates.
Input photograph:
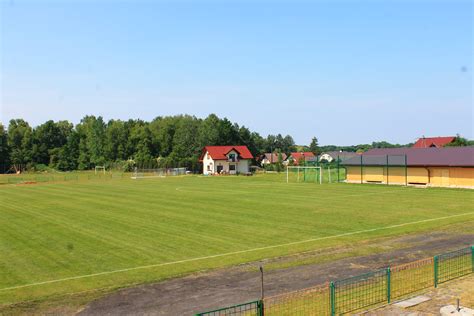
(312, 302)
(454, 264)
(360, 291)
(247, 309)
(15, 180)
(411, 277)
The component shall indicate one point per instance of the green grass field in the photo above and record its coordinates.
(61, 238)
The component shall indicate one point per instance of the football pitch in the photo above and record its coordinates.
(62, 238)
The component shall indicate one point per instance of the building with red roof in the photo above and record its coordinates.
(225, 159)
(437, 142)
(298, 157)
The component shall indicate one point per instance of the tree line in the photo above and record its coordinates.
(166, 141)
(169, 141)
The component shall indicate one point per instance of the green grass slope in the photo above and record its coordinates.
(76, 236)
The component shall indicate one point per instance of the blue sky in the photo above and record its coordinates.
(345, 71)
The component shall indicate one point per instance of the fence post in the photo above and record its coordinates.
(472, 258)
(261, 304)
(389, 286)
(260, 308)
(332, 298)
(435, 261)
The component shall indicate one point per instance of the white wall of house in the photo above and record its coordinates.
(208, 165)
(326, 157)
(243, 166)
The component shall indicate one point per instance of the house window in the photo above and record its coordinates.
(232, 167)
(231, 157)
(208, 167)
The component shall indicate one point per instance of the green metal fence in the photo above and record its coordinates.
(313, 301)
(254, 308)
(412, 277)
(59, 177)
(454, 264)
(363, 291)
(360, 291)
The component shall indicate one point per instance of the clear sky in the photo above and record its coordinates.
(345, 71)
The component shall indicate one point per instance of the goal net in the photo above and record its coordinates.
(99, 169)
(157, 172)
(304, 174)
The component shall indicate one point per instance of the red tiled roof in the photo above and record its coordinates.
(220, 152)
(307, 156)
(269, 157)
(426, 142)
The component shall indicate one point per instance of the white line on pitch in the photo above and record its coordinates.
(232, 253)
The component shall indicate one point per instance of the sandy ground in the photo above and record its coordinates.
(445, 294)
(204, 291)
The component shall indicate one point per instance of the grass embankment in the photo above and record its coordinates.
(82, 236)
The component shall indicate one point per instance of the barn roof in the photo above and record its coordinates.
(220, 152)
(340, 154)
(426, 142)
(441, 157)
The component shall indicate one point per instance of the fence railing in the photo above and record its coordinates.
(364, 291)
(42, 178)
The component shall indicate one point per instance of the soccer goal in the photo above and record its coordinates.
(99, 169)
(304, 174)
(157, 173)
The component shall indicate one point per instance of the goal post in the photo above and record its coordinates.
(99, 169)
(304, 174)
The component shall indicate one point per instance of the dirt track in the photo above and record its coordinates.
(204, 291)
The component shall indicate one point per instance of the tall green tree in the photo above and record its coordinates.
(4, 150)
(141, 138)
(66, 157)
(48, 138)
(92, 140)
(186, 148)
(314, 146)
(208, 133)
(116, 137)
(163, 129)
(20, 141)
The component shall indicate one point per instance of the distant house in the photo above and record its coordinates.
(438, 142)
(334, 155)
(306, 156)
(269, 158)
(445, 167)
(225, 159)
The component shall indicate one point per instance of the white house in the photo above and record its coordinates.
(269, 158)
(225, 160)
(333, 155)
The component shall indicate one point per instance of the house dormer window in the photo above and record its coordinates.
(232, 157)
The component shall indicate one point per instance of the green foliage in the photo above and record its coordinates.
(361, 147)
(460, 141)
(20, 141)
(314, 146)
(4, 149)
(170, 141)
